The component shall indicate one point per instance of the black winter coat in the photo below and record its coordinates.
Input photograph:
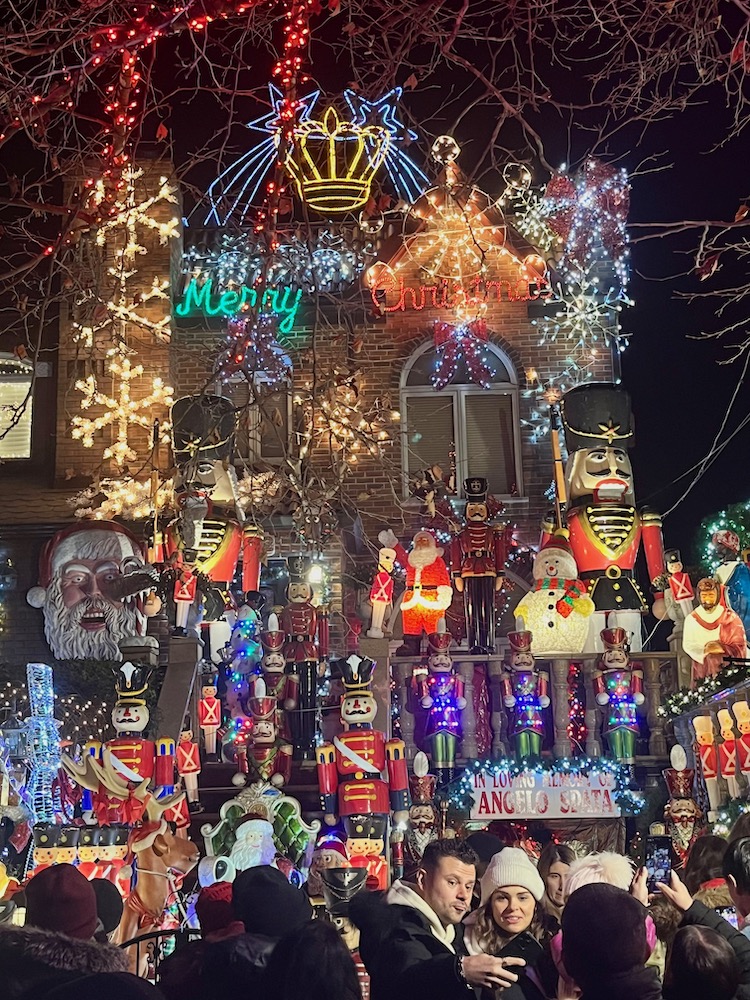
(523, 946)
(404, 959)
(704, 916)
(32, 961)
(635, 984)
(217, 970)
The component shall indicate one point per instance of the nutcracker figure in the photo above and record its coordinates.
(282, 686)
(478, 556)
(681, 596)
(189, 766)
(620, 688)
(443, 696)
(350, 769)
(428, 592)
(365, 841)
(681, 813)
(330, 852)
(340, 885)
(705, 736)
(741, 712)
(381, 592)
(209, 715)
(606, 529)
(184, 594)
(728, 752)
(525, 691)
(423, 816)
(130, 717)
(88, 851)
(299, 621)
(54, 845)
(113, 851)
(269, 758)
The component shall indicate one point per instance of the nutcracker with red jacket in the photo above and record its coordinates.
(428, 592)
(606, 529)
(188, 760)
(525, 691)
(620, 688)
(381, 592)
(269, 758)
(681, 813)
(281, 686)
(350, 770)
(299, 621)
(705, 735)
(728, 752)
(680, 599)
(478, 555)
(442, 694)
(209, 714)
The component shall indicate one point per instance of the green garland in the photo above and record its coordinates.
(631, 802)
(682, 701)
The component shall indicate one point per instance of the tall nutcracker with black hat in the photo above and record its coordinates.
(299, 622)
(525, 690)
(606, 530)
(477, 558)
(443, 696)
(350, 771)
(619, 687)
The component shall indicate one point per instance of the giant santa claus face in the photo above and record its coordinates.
(91, 579)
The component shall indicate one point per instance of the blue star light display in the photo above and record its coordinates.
(232, 193)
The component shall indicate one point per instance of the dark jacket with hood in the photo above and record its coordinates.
(405, 960)
(32, 961)
(216, 970)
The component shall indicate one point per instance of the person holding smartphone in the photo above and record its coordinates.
(510, 921)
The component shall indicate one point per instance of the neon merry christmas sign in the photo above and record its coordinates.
(200, 298)
(391, 294)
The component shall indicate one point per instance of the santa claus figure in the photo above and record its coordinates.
(254, 844)
(93, 581)
(428, 592)
(712, 632)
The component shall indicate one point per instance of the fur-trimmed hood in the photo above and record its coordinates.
(31, 958)
(714, 897)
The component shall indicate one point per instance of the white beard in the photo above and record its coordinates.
(419, 558)
(66, 638)
(249, 856)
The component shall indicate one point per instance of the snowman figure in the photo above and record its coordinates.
(558, 609)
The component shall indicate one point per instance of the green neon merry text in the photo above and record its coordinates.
(200, 298)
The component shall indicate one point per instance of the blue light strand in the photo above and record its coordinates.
(43, 745)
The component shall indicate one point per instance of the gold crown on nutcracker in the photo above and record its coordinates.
(614, 638)
(520, 642)
(262, 709)
(333, 162)
(679, 783)
(356, 673)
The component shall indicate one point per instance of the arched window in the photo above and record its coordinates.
(481, 426)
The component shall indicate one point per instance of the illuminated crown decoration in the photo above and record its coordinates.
(333, 162)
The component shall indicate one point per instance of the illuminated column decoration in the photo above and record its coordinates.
(43, 744)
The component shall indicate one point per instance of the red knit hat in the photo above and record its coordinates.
(213, 907)
(60, 899)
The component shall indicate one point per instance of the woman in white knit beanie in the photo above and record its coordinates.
(509, 921)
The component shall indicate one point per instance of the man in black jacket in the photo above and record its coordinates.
(411, 941)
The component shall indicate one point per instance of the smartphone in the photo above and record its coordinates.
(730, 915)
(658, 861)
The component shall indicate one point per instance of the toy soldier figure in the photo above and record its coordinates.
(299, 621)
(268, 757)
(621, 689)
(606, 529)
(381, 592)
(741, 712)
(350, 769)
(279, 685)
(189, 766)
(525, 691)
(185, 591)
(681, 593)
(209, 714)
(728, 752)
(443, 696)
(477, 561)
(705, 736)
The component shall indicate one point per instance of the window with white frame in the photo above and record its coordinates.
(263, 419)
(16, 377)
(481, 426)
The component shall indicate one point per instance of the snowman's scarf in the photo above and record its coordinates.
(573, 589)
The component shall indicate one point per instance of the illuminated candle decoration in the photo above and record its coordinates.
(375, 133)
(43, 745)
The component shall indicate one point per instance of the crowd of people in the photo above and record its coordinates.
(474, 918)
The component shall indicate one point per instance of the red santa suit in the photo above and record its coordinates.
(428, 591)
